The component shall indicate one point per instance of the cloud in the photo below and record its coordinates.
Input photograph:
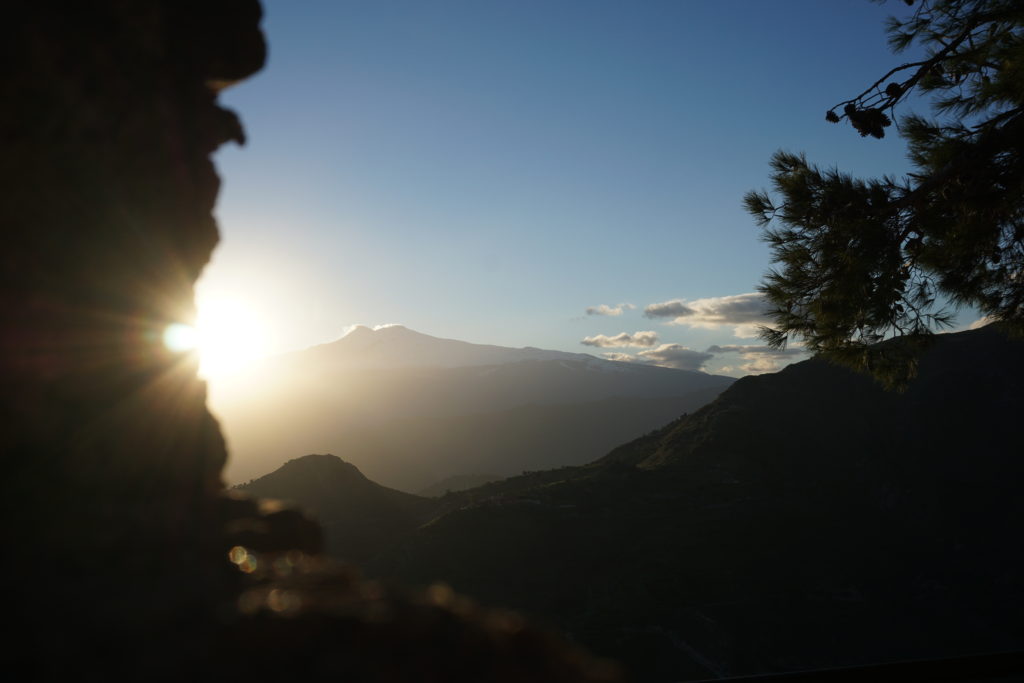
(980, 322)
(676, 356)
(621, 357)
(744, 312)
(790, 350)
(639, 339)
(759, 365)
(760, 359)
(667, 356)
(605, 309)
(668, 309)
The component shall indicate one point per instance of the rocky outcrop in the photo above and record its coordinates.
(124, 555)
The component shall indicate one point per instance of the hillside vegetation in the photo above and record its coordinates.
(803, 519)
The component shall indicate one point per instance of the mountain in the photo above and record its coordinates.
(409, 409)
(395, 346)
(802, 520)
(505, 442)
(359, 517)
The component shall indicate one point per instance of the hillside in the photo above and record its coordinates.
(457, 483)
(506, 442)
(409, 409)
(803, 519)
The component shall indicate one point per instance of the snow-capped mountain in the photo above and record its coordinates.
(409, 409)
(396, 346)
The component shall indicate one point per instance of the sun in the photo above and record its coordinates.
(228, 336)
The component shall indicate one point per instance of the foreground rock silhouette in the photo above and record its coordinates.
(123, 553)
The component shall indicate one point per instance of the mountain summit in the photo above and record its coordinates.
(409, 409)
(395, 346)
(358, 516)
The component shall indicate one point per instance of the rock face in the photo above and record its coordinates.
(116, 528)
(113, 462)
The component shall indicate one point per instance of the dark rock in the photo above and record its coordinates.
(122, 554)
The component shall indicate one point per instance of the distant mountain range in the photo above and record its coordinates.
(804, 519)
(411, 410)
(396, 346)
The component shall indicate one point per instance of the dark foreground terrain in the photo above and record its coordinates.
(803, 520)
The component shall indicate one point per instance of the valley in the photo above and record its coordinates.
(804, 519)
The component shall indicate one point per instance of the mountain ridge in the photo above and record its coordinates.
(374, 395)
(805, 519)
(400, 346)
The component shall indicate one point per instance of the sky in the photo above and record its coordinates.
(532, 173)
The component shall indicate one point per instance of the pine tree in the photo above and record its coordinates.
(858, 261)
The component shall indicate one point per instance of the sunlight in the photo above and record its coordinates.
(228, 335)
(179, 337)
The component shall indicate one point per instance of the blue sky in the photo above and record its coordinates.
(488, 170)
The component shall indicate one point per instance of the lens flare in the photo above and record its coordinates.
(179, 337)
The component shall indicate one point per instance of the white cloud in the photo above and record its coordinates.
(605, 309)
(676, 356)
(759, 365)
(760, 359)
(743, 312)
(621, 357)
(667, 356)
(639, 339)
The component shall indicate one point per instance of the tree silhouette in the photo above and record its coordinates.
(858, 261)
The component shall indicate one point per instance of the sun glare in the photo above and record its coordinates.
(228, 335)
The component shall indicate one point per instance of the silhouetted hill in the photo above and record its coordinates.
(803, 519)
(359, 517)
(409, 409)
